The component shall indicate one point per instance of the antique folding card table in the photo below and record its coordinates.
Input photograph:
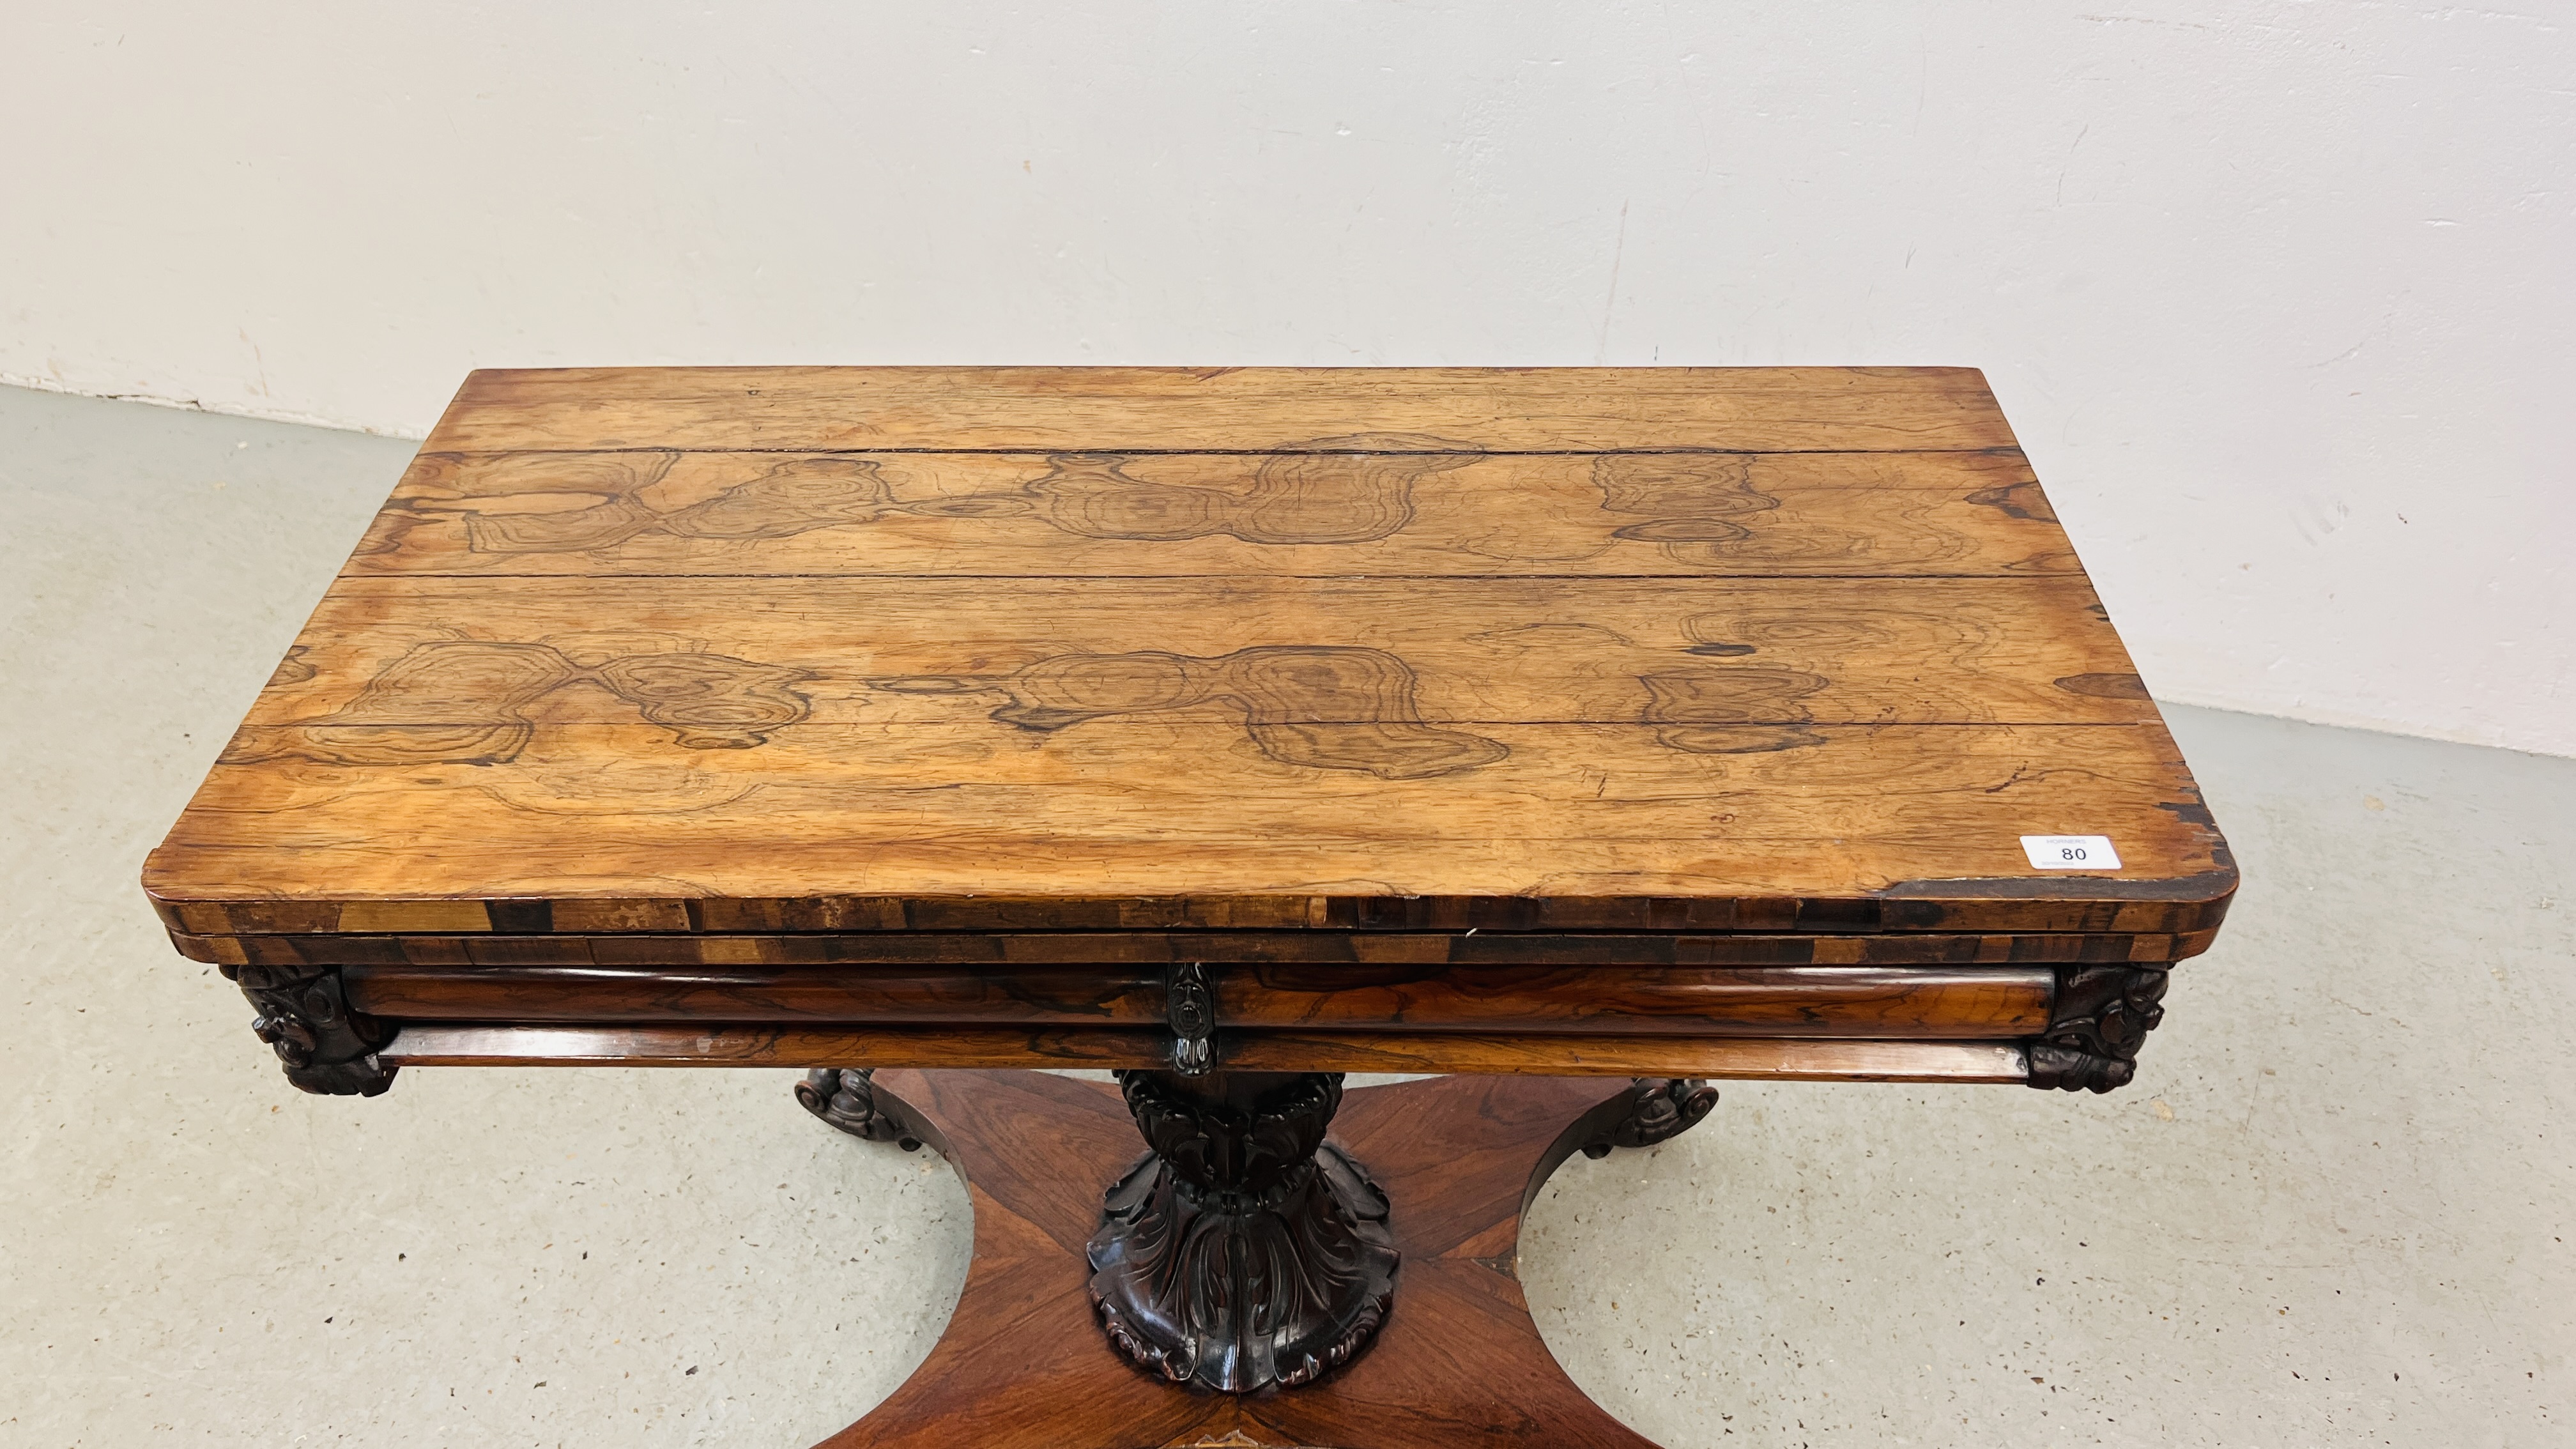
(1582, 734)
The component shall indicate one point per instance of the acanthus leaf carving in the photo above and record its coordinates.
(2101, 1017)
(305, 1017)
(1243, 1251)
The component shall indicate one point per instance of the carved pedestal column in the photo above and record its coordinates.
(1243, 1251)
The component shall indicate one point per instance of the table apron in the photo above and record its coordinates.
(1740, 1058)
(1937, 1003)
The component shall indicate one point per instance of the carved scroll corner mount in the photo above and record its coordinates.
(1657, 1110)
(327, 1048)
(847, 1098)
(1189, 1005)
(2101, 1018)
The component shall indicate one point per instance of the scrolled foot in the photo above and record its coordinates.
(2068, 1070)
(1658, 1109)
(847, 1098)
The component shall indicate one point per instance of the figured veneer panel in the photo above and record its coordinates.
(722, 663)
(1009, 650)
(663, 511)
(1069, 828)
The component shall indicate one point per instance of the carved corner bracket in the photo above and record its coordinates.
(847, 1098)
(304, 1015)
(2101, 1018)
(1656, 1109)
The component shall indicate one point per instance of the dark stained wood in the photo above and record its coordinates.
(1753, 1059)
(1927, 1003)
(1654, 1110)
(1064, 996)
(846, 1099)
(1916, 1002)
(1244, 1252)
(2098, 1018)
(1770, 409)
(327, 1044)
(1809, 1059)
(1458, 1365)
(467, 1044)
(1007, 650)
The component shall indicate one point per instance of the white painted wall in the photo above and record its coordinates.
(2279, 295)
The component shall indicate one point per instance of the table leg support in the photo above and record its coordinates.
(1654, 1110)
(846, 1098)
(1456, 1362)
(1243, 1250)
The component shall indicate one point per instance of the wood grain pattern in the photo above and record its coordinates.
(1919, 1002)
(448, 1044)
(1659, 725)
(1771, 409)
(1381, 950)
(1457, 1366)
(1070, 825)
(1027, 650)
(664, 511)
(1787, 652)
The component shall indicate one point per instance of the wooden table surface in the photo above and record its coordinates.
(1236, 729)
(924, 650)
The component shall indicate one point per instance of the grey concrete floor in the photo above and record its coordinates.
(2332, 1211)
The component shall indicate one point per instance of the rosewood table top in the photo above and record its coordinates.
(1017, 649)
(1234, 730)
(976, 667)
